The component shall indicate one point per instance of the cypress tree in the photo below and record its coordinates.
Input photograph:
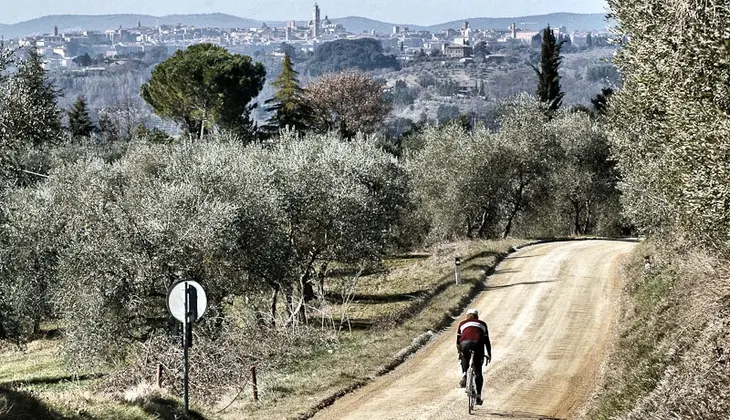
(548, 77)
(289, 110)
(79, 123)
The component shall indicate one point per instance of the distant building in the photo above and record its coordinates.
(495, 58)
(465, 33)
(457, 51)
(315, 24)
(580, 40)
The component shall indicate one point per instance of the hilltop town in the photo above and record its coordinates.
(83, 49)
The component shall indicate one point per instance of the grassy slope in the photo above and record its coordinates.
(35, 385)
(670, 359)
(387, 311)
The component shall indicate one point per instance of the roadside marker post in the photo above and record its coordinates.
(457, 267)
(186, 301)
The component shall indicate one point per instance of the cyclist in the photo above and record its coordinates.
(473, 336)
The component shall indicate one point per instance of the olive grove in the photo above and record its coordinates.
(533, 176)
(96, 225)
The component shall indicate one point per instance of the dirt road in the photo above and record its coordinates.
(549, 309)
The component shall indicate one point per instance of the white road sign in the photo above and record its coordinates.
(176, 300)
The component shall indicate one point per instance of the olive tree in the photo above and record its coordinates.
(670, 119)
(341, 200)
(30, 241)
(158, 215)
(585, 181)
(455, 183)
(528, 153)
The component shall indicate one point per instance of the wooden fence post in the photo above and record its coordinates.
(253, 383)
(159, 375)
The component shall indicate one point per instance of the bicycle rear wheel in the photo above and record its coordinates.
(471, 387)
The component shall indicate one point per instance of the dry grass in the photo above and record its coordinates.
(671, 360)
(35, 385)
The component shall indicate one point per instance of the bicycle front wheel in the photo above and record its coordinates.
(471, 386)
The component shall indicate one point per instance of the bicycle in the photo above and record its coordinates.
(471, 385)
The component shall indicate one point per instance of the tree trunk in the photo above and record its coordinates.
(576, 220)
(508, 228)
(513, 213)
(483, 226)
(469, 229)
(322, 275)
(288, 296)
(202, 123)
(587, 224)
(273, 305)
(307, 289)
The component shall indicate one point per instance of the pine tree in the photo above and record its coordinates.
(39, 119)
(548, 84)
(79, 123)
(204, 87)
(289, 110)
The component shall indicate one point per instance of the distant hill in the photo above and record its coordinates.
(68, 23)
(357, 25)
(354, 24)
(572, 21)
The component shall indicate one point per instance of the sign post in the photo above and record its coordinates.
(457, 269)
(186, 301)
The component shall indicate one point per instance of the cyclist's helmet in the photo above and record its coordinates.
(471, 311)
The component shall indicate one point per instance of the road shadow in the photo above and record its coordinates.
(519, 257)
(409, 257)
(50, 380)
(521, 415)
(524, 283)
(356, 324)
(380, 298)
(483, 254)
(22, 405)
(166, 409)
(506, 271)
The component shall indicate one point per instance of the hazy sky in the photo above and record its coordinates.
(419, 12)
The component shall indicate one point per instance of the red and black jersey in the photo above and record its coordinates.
(474, 330)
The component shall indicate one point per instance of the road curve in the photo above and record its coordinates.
(549, 308)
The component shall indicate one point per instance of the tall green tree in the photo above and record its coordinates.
(30, 113)
(548, 76)
(79, 122)
(288, 108)
(29, 118)
(600, 101)
(205, 86)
